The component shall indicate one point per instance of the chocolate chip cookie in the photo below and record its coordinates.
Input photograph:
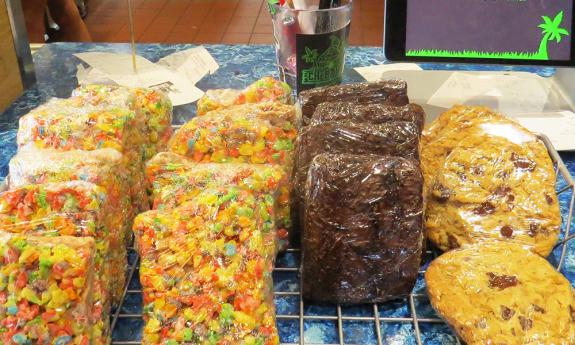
(500, 293)
(447, 130)
(492, 188)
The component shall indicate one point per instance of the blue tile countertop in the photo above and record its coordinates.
(391, 323)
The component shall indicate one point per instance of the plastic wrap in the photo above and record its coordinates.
(176, 179)
(448, 129)
(499, 293)
(206, 270)
(390, 92)
(103, 167)
(45, 290)
(235, 138)
(363, 228)
(490, 180)
(215, 99)
(392, 138)
(62, 126)
(368, 113)
(280, 115)
(266, 89)
(153, 110)
(494, 189)
(78, 209)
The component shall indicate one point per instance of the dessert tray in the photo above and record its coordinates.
(407, 321)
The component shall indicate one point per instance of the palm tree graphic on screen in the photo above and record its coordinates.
(551, 32)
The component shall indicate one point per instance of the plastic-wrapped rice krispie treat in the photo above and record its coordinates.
(61, 126)
(79, 209)
(235, 138)
(153, 110)
(176, 179)
(103, 167)
(46, 290)
(280, 115)
(266, 89)
(215, 99)
(206, 270)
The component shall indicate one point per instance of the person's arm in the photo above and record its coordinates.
(34, 11)
(67, 16)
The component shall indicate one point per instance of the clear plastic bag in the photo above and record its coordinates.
(215, 99)
(266, 89)
(235, 138)
(491, 188)
(153, 110)
(500, 293)
(363, 228)
(368, 113)
(279, 115)
(60, 125)
(175, 179)
(103, 167)
(488, 179)
(392, 138)
(46, 289)
(79, 209)
(390, 92)
(447, 130)
(206, 270)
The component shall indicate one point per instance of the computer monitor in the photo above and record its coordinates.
(524, 32)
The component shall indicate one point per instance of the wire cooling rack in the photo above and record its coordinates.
(407, 321)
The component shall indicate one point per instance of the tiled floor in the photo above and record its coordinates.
(211, 21)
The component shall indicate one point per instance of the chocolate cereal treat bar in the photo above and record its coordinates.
(392, 138)
(368, 113)
(390, 92)
(363, 228)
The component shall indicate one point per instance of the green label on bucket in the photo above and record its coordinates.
(320, 58)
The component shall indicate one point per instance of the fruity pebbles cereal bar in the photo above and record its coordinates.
(153, 110)
(79, 209)
(266, 89)
(206, 270)
(61, 126)
(279, 115)
(235, 138)
(45, 290)
(103, 167)
(176, 179)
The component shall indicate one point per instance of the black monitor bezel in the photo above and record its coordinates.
(395, 32)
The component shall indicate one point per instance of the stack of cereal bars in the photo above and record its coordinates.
(358, 188)
(74, 188)
(221, 212)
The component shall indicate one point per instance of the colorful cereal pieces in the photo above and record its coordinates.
(45, 290)
(239, 138)
(73, 208)
(176, 179)
(62, 125)
(153, 110)
(266, 89)
(206, 270)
